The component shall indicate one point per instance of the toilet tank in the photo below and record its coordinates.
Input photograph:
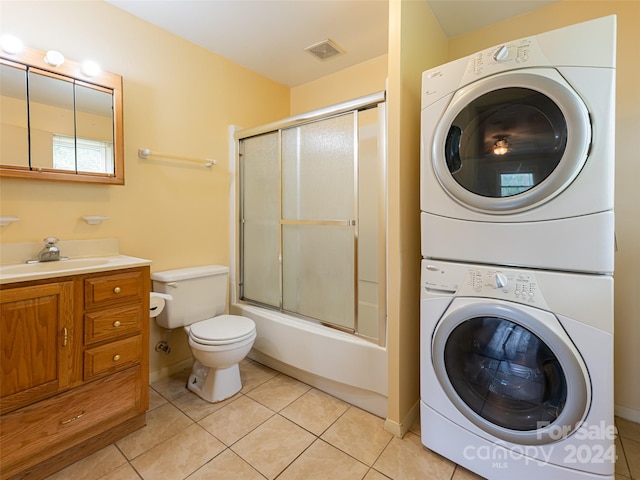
(198, 293)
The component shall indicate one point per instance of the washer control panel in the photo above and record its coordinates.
(482, 281)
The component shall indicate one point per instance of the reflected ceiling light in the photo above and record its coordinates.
(10, 44)
(91, 68)
(54, 58)
(501, 147)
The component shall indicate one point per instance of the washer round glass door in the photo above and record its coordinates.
(512, 141)
(512, 371)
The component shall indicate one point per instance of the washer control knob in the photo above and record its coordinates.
(500, 280)
(501, 54)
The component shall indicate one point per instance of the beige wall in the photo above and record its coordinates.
(416, 43)
(178, 98)
(627, 307)
(362, 79)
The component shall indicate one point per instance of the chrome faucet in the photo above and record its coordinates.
(49, 253)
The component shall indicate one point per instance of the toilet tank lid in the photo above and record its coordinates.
(189, 273)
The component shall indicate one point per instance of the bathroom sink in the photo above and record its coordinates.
(34, 271)
(62, 265)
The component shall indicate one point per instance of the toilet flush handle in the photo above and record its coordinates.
(172, 284)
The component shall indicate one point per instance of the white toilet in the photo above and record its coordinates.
(218, 342)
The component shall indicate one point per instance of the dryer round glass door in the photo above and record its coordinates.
(512, 373)
(511, 141)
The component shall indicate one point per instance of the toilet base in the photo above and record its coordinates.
(214, 385)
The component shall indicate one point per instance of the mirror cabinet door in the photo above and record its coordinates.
(94, 129)
(14, 120)
(51, 116)
(58, 124)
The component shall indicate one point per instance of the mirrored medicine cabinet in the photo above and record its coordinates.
(56, 123)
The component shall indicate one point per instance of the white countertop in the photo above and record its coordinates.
(85, 256)
(23, 272)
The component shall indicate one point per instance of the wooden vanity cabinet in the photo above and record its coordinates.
(35, 328)
(74, 367)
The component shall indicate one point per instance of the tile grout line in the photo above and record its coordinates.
(624, 456)
(316, 437)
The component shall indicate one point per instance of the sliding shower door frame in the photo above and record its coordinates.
(354, 106)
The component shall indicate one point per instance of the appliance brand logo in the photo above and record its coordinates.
(594, 444)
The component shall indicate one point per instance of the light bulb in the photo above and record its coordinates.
(54, 58)
(501, 147)
(10, 44)
(91, 68)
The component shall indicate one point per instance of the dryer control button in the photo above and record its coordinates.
(500, 280)
(501, 54)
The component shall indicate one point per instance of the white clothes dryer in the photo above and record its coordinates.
(517, 152)
(516, 372)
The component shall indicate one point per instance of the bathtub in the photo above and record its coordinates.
(335, 362)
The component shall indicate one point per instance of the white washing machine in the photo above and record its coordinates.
(517, 152)
(517, 371)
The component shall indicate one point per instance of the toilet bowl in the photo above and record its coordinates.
(219, 342)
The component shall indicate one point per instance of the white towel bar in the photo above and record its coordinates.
(146, 153)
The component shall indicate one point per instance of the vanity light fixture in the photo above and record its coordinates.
(54, 58)
(10, 44)
(91, 68)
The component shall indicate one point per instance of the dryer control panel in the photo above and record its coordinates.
(445, 79)
(465, 280)
(513, 54)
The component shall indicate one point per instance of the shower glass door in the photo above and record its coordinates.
(318, 220)
(312, 219)
(261, 218)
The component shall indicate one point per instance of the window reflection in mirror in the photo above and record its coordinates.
(94, 130)
(14, 136)
(57, 123)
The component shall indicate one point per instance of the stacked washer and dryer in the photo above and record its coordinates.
(517, 196)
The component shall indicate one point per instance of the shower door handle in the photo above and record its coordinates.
(337, 223)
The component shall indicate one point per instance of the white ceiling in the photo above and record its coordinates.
(269, 36)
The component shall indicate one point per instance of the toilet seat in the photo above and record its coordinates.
(222, 330)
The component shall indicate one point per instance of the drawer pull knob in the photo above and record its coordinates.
(116, 357)
(116, 323)
(117, 290)
(72, 419)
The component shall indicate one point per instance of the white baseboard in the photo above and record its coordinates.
(627, 413)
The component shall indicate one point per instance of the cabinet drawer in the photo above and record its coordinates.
(112, 323)
(46, 428)
(112, 357)
(113, 289)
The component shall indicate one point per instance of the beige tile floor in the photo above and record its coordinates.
(278, 427)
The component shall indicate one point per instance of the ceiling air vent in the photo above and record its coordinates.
(324, 50)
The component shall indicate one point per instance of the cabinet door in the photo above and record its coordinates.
(36, 324)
